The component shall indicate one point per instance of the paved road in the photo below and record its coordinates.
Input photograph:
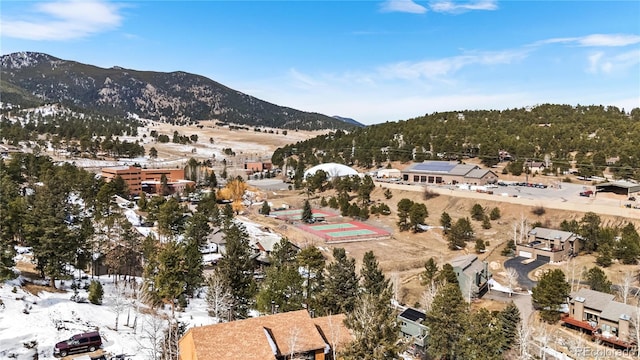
(524, 270)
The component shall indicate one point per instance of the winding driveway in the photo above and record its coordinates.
(523, 270)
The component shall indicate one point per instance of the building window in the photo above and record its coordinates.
(416, 178)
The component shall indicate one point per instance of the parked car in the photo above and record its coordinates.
(586, 193)
(89, 341)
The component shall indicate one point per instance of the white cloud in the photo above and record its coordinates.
(447, 66)
(303, 81)
(596, 40)
(599, 62)
(447, 6)
(407, 6)
(64, 20)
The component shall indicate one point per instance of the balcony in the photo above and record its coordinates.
(578, 323)
(611, 340)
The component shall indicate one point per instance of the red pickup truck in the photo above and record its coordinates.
(586, 193)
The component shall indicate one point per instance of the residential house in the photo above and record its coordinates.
(603, 318)
(549, 245)
(414, 330)
(473, 275)
(535, 166)
(282, 336)
(448, 172)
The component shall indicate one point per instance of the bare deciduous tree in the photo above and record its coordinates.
(428, 295)
(524, 336)
(119, 302)
(219, 298)
(294, 334)
(152, 332)
(512, 279)
(394, 278)
(625, 286)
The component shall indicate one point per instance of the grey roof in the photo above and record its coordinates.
(552, 234)
(463, 169)
(441, 167)
(631, 187)
(463, 261)
(478, 173)
(595, 300)
(615, 310)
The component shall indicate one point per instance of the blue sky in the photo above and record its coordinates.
(374, 61)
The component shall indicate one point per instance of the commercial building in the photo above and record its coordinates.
(131, 175)
(448, 172)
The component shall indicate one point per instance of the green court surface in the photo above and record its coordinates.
(358, 232)
(333, 226)
(287, 212)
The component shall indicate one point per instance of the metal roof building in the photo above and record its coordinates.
(619, 187)
(448, 172)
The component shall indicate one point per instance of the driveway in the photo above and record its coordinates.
(523, 270)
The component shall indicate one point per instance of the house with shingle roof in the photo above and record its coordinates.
(549, 245)
(603, 318)
(271, 337)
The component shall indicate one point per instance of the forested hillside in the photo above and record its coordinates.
(584, 136)
(176, 97)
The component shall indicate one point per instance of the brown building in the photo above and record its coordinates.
(272, 337)
(257, 166)
(549, 245)
(448, 172)
(148, 179)
(130, 174)
(172, 175)
(604, 319)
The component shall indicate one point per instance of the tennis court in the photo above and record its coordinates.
(345, 231)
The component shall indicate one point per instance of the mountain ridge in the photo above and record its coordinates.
(178, 97)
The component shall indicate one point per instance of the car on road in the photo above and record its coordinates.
(586, 193)
(85, 342)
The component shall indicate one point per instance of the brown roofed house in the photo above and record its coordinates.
(279, 337)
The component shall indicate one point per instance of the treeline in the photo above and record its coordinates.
(73, 132)
(563, 134)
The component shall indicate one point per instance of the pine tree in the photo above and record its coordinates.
(283, 284)
(483, 337)
(550, 292)
(417, 214)
(447, 319)
(95, 292)
(266, 209)
(236, 268)
(509, 322)
(597, 280)
(373, 321)
(477, 212)
(445, 221)
(195, 235)
(430, 272)
(170, 219)
(404, 208)
(169, 281)
(372, 279)
(307, 213)
(313, 262)
(341, 284)
(49, 227)
(447, 275)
